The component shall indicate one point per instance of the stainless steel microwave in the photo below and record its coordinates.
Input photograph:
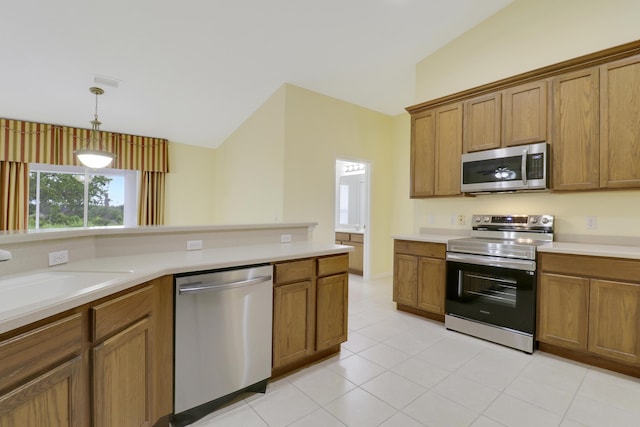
(521, 168)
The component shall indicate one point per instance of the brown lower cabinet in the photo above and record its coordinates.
(356, 257)
(106, 363)
(309, 310)
(591, 307)
(419, 277)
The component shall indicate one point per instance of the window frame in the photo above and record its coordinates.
(131, 189)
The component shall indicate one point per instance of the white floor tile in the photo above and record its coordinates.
(451, 353)
(540, 394)
(401, 420)
(318, 418)
(322, 385)
(357, 342)
(360, 409)
(421, 372)
(283, 405)
(495, 367)
(595, 413)
(434, 410)
(483, 421)
(513, 412)
(467, 393)
(612, 389)
(242, 415)
(384, 355)
(356, 369)
(394, 389)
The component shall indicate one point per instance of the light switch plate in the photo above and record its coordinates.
(194, 245)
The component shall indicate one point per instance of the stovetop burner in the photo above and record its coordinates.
(509, 236)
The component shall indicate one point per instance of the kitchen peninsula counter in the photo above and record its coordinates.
(36, 293)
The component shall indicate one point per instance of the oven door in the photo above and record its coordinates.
(496, 291)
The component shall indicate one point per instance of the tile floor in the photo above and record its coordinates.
(399, 370)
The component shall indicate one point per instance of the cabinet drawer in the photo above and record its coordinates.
(357, 238)
(111, 316)
(432, 250)
(342, 236)
(288, 272)
(32, 352)
(333, 265)
(591, 266)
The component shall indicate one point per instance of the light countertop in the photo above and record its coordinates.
(429, 238)
(29, 297)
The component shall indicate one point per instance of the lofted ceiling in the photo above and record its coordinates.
(192, 71)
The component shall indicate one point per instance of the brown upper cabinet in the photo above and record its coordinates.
(436, 146)
(586, 108)
(514, 116)
(620, 124)
(576, 130)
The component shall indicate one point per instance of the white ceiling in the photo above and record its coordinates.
(193, 70)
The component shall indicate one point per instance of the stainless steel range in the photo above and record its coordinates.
(491, 278)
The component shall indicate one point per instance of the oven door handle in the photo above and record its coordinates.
(492, 261)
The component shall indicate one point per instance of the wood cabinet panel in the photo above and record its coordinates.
(448, 150)
(293, 322)
(591, 266)
(333, 264)
(121, 378)
(525, 114)
(23, 356)
(620, 124)
(331, 303)
(423, 154)
(405, 279)
(576, 131)
(293, 271)
(563, 310)
(426, 249)
(614, 320)
(115, 314)
(482, 123)
(53, 399)
(431, 284)
(357, 237)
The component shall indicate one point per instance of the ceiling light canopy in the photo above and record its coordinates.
(95, 158)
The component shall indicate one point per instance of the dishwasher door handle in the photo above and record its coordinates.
(195, 287)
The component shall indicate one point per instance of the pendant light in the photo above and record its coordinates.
(95, 159)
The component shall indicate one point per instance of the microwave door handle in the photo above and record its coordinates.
(523, 166)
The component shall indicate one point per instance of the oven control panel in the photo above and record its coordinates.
(516, 222)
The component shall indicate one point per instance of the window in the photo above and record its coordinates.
(71, 196)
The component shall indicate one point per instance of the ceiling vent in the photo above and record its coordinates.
(107, 81)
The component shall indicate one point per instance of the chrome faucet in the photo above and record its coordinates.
(5, 255)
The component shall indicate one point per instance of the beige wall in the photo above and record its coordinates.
(189, 196)
(249, 167)
(319, 130)
(527, 35)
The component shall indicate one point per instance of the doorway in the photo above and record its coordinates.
(352, 212)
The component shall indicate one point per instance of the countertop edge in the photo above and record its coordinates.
(148, 270)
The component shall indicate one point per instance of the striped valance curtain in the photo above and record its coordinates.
(23, 142)
(29, 142)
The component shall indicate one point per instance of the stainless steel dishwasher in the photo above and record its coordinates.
(223, 323)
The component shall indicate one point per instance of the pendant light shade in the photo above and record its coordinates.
(95, 158)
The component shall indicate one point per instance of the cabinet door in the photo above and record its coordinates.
(53, 399)
(482, 123)
(121, 378)
(331, 303)
(620, 124)
(423, 133)
(576, 129)
(356, 258)
(448, 150)
(614, 320)
(563, 307)
(293, 322)
(431, 284)
(525, 114)
(405, 280)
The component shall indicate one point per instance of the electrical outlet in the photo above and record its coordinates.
(462, 220)
(194, 245)
(285, 238)
(57, 258)
(592, 223)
